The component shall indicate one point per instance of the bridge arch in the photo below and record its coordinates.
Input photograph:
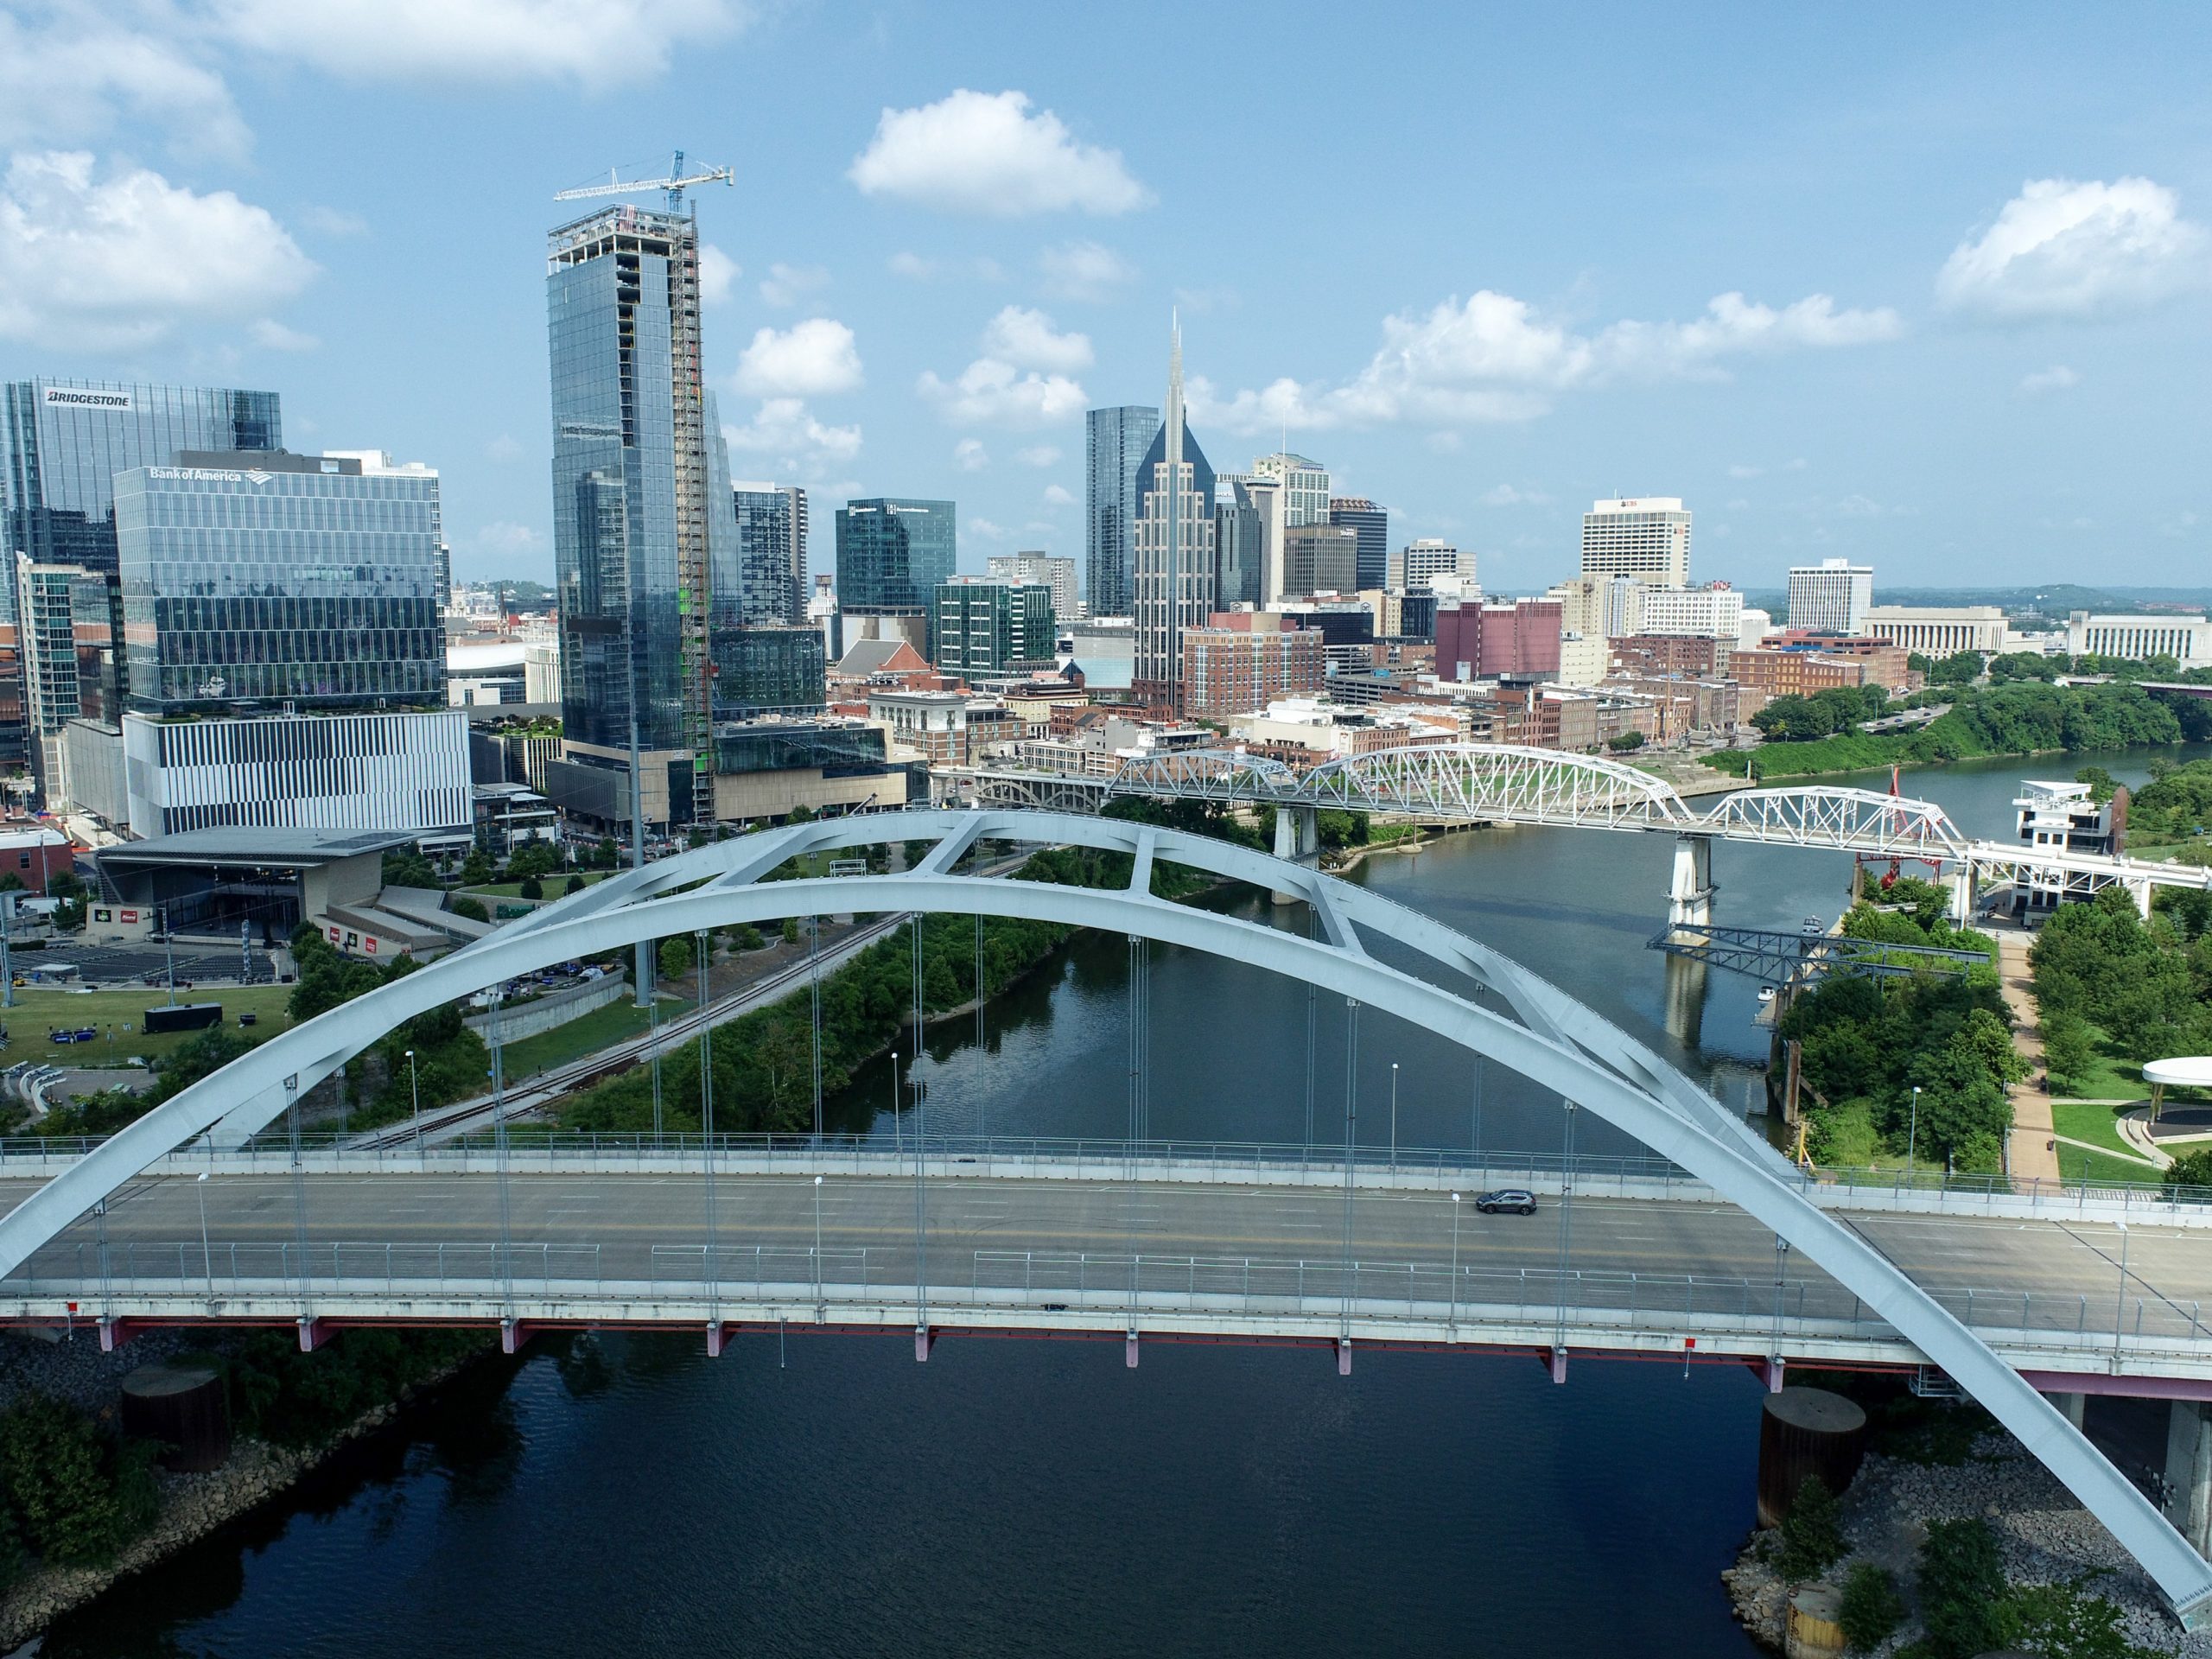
(1555, 1042)
(1499, 780)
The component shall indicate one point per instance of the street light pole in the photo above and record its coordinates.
(898, 1137)
(1455, 1267)
(819, 1306)
(2119, 1308)
(415, 1094)
(1394, 1117)
(1912, 1135)
(206, 1255)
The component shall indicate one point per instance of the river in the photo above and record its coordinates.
(828, 1495)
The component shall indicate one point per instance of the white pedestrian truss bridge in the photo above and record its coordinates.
(743, 1233)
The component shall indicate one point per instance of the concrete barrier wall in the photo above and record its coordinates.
(556, 1008)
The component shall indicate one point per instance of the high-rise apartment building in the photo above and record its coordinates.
(1417, 565)
(1243, 660)
(71, 667)
(1117, 441)
(1831, 597)
(1484, 641)
(637, 515)
(1320, 558)
(1174, 577)
(1647, 538)
(1305, 487)
(764, 585)
(981, 625)
(1373, 525)
(1057, 573)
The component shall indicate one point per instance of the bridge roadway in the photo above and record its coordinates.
(1232, 1255)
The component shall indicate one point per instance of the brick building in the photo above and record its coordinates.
(1243, 660)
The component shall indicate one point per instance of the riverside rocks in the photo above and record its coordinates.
(2045, 1536)
(191, 1505)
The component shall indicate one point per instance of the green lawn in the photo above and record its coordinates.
(2111, 1075)
(2074, 1165)
(585, 1034)
(38, 1011)
(552, 884)
(2088, 1121)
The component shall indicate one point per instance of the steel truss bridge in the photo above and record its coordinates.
(1782, 958)
(1487, 783)
(1753, 1266)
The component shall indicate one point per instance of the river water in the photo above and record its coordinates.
(828, 1495)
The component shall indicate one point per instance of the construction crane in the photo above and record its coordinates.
(674, 184)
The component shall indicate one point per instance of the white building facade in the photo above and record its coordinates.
(2187, 638)
(1939, 630)
(1831, 597)
(1644, 536)
(1710, 613)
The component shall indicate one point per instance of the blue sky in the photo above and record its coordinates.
(1931, 287)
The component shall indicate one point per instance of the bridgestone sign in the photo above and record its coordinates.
(112, 402)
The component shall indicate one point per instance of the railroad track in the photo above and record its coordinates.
(546, 1087)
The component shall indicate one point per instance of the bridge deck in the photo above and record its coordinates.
(1227, 1256)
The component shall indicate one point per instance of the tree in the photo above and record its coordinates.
(791, 930)
(531, 887)
(1871, 1609)
(676, 957)
(1962, 1584)
(574, 884)
(748, 937)
(77, 1496)
(2191, 1169)
(10, 882)
(2102, 785)
(470, 910)
(2068, 1050)
(1625, 742)
(1812, 1537)
(407, 867)
(476, 869)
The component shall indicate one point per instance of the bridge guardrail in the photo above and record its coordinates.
(91, 1275)
(1923, 1191)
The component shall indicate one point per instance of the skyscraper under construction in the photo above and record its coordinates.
(640, 497)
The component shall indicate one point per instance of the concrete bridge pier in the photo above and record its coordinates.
(1965, 882)
(1689, 896)
(1298, 841)
(2189, 1472)
(2140, 893)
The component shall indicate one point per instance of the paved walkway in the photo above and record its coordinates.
(2034, 1157)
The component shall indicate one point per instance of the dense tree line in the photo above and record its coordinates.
(1840, 709)
(2105, 975)
(2018, 717)
(1865, 1044)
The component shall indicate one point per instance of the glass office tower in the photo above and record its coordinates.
(61, 444)
(634, 522)
(766, 585)
(892, 554)
(1371, 558)
(1117, 439)
(303, 580)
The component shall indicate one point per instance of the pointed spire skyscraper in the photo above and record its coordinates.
(1174, 544)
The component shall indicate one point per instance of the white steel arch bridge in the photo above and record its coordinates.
(1535, 1031)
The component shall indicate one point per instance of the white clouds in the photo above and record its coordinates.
(275, 336)
(2060, 249)
(72, 80)
(984, 153)
(594, 45)
(1023, 378)
(335, 221)
(718, 275)
(1494, 358)
(1741, 471)
(505, 538)
(984, 529)
(793, 439)
(1038, 454)
(969, 455)
(113, 263)
(808, 359)
(1027, 340)
(504, 447)
(916, 269)
(1060, 496)
(993, 392)
(2057, 378)
(1505, 495)
(1084, 270)
(789, 284)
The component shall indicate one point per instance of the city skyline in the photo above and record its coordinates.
(966, 238)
